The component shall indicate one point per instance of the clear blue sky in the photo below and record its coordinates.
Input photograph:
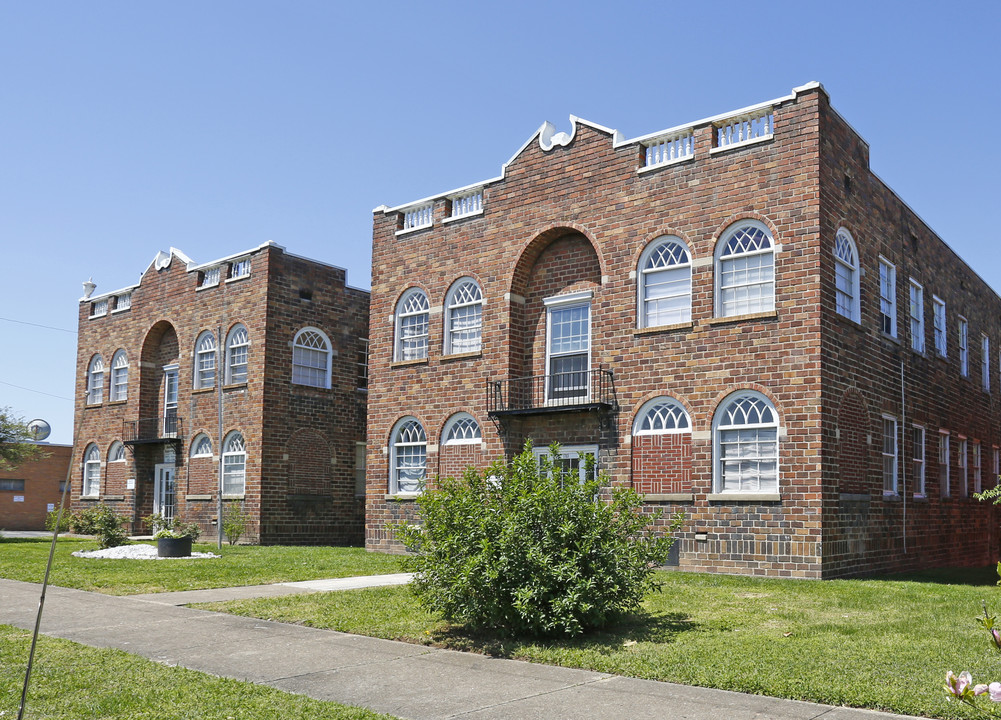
(130, 127)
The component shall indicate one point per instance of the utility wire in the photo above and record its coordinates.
(19, 387)
(47, 327)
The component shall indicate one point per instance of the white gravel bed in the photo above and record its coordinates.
(135, 552)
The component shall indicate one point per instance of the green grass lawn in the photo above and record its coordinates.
(882, 644)
(239, 565)
(73, 681)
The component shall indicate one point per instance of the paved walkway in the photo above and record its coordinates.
(409, 681)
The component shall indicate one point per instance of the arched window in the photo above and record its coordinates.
(745, 444)
(120, 376)
(461, 429)
(463, 318)
(846, 275)
(237, 354)
(408, 457)
(95, 381)
(201, 446)
(745, 270)
(660, 416)
(205, 352)
(234, 465)
(664, 282)
(116, 453)
(311, 358)
(412, 326)
(91, 471)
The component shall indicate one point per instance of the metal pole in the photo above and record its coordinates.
(45, 585)
(219, 378)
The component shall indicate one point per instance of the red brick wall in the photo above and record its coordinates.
(42, 477)
(662, 464)
(169, 311)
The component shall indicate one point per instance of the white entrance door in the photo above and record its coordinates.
(163, 491)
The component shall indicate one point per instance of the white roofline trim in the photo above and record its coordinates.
(191, 267)
(547, 130)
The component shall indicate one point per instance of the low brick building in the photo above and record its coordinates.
(250, 368)
(734, 316)
(29, 491)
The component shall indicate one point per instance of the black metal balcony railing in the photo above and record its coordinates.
(152, 430)
(558, 392)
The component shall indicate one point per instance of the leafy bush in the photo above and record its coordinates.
(162, 527)
(103, 522)
(64, 522)
(234, 523)
(531, 551)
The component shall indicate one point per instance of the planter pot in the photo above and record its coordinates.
(173, 547)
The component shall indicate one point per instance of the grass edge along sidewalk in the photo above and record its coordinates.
(877, 644)
(72, 681)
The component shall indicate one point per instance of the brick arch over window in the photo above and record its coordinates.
(159, 348)
(309, 468)
(558, 262)
(854, 423)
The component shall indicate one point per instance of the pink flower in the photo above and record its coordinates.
(980, 689)
(996, 634)
(958, 687)
(995, 690)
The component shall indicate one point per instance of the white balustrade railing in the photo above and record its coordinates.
(468, 204)
(418, 217)
(744, 129)
(668, 149)
(123, 301)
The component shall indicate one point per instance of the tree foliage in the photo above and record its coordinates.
(16, 446)
(528, 549)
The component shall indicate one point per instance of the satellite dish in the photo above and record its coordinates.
(39, 429)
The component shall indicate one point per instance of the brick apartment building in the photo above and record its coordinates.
(735, 316)
(29, 491)
(251, 367)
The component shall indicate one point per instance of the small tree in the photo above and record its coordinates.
(16, 446)
(524, 549)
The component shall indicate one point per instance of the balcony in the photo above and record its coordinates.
(582, 390)
(153, 430)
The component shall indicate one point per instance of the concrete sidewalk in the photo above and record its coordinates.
(409, 681)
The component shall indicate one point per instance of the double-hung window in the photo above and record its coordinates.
(846, 275)
(977, 467)
(95, 381)
(943, 463)
(963, 464)
(918, 459)
(745, 270)
(665, 283)
(964, 347)
(237, 355)
(568, 348)
(889, 455)
(464, 318)
(205, 360)
(985, 363)
(938, 304)
(745, 438)
(119, 376)
(917, 313)
(888, 297)
(412, 320)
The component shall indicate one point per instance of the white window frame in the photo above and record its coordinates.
(234, 464)
(304, 372)
(662, 416)
(453, 305)
(420, 341)
(677, 266)
(918, 459)
(239, 268)
(847, 299)
(198, 446)
(721, 426)
(206, 350)
(722, 260)
(964, 346)
(399, 447)
(887, 297)
(91, 487)
(917, 315)
(95, 380)
(944, 460)
(985, 362)
(116, 453)
(234, 346)
(99, 308)
(210, 277)
(939, 321)
(978, 466)
(891, 456)
(557, 304)
(962, 452)
(119, 377)
(571, 453)
(462, 429)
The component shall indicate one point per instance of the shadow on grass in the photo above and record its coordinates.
(637, 627)
(975, 576)
(36, 540)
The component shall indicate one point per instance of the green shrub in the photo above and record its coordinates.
(529, 550)
(64, 522)
(234, 523)
(162, 527)
(103, 522)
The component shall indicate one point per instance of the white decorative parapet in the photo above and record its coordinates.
(468, 204)
(418, 217)
(745, 129)
(669, 149)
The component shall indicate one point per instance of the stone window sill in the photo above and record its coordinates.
(401, 497)
(768, 315)
(664, 328)
(198, 497)
(669, 497)
(461, 356)
(408, 363)
(744, 497)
